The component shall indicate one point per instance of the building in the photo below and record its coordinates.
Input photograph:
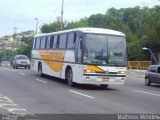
(10, 42)
(1, 42)
(28, 33)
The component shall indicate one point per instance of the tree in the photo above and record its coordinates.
(97, 20)
(83, 22)
(51, 27)
(7, 55)
(26, 46)
(140, 25)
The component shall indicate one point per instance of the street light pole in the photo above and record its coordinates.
(36, 25)
(144, 48)
(62, 15)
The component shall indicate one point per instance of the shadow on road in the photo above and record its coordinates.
(77, 86)
(93, 87)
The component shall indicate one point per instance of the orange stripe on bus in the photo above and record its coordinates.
(95, 68)
(57, 55)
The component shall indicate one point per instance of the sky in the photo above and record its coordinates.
(22, 13)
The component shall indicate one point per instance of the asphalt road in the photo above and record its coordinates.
(26, 92)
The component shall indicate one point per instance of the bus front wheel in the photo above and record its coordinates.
(69, 78)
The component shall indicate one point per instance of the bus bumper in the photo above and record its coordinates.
(102, 80)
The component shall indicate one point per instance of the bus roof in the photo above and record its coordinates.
(86, 30)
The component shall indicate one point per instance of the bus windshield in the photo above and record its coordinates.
(104, 50)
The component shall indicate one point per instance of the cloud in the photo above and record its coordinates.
(23, 12)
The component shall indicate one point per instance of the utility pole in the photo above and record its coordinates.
(15, 37)
(140, 37)
(5, 48)
(15, 28)
(62, 15)
(36, 25)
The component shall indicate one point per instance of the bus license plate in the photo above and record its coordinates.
(103, 79)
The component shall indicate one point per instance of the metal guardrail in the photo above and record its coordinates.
(139, 64)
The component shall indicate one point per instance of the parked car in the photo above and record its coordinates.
(5, 63)
(152, 75)
(21, 61)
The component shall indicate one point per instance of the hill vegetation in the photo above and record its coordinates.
(141, 26)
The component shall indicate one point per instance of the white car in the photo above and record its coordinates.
(5, 63)
(21, 61)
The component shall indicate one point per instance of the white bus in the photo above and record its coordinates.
(83, 55)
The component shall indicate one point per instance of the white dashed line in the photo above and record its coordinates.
(41, 81)
(22, 74)
(11, 107)
(9, 104)
(14, 109)
(146, 92)
(81, 94)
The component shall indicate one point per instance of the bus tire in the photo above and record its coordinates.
(69, 77)
(40, 70)
(104, 86)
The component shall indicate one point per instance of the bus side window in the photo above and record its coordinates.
(62, 41)
(34, 43)
(48, 39)
(51, 42)
(55, 42)
(58, 40)
(43, 42)
(38, 43)
(74, 41)
(158, 70)
(71, 40)
(80, 46)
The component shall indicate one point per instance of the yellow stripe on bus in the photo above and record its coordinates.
(57, 55)
(95, 68)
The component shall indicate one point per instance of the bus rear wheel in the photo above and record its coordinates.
(69, 77)
(40, 70)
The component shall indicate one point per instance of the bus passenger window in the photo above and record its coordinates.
(158, 70)
(34, 43)
(58, 40)
(38, 42)
(71, 41)
(80, 50)
(43, 43)
(55, 42)
(48, 42)
(62, 42)
(51, 41)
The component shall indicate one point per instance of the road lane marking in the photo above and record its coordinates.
(22, 74)
(3, 98)
(132, 79)
(9, 104)
(133, 76)
(81, 94)
(146, 93)
(41, 81)
(11, 107)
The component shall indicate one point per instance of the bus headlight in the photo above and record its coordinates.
(88, 71)
(121, 72)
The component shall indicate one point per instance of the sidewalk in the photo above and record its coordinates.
(136, 74)
(137, 70)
